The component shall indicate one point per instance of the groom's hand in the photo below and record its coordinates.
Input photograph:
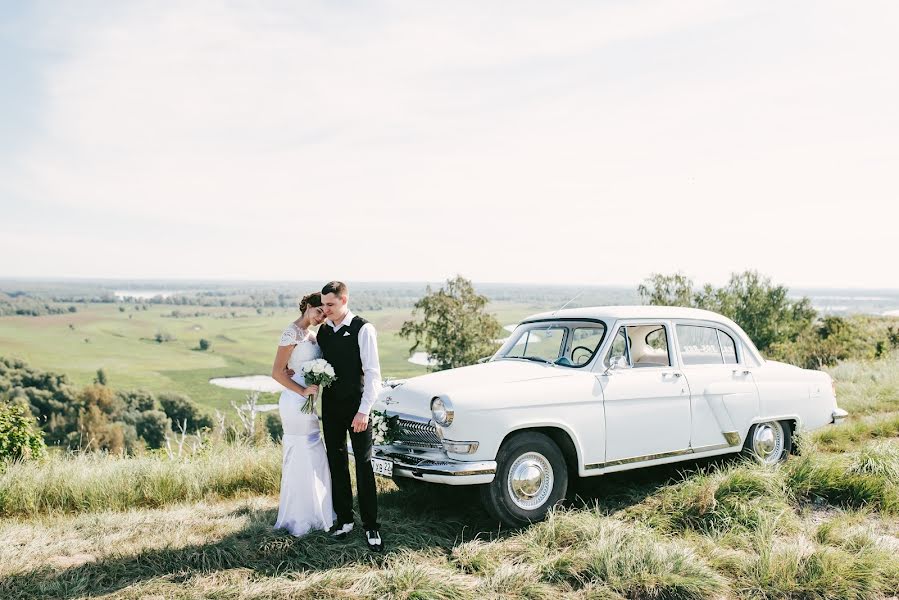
(360, 422)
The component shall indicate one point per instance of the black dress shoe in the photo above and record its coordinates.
(339, 531)
(373, 538)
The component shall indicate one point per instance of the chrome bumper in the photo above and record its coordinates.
(838, 415)
(435, 466)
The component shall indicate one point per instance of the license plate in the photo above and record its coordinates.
(382, 467)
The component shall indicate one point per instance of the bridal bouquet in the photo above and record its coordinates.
(384, 428)
(317, 372)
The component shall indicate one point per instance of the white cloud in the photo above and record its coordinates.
(531, 142)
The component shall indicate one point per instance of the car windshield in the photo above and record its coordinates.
(567, 344)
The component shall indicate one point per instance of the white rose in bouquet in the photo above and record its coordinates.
(315, 372)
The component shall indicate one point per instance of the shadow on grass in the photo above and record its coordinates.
(421, 520)
(425, 518)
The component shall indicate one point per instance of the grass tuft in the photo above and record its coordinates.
(583, 547)
(842, 482)
(713, 502)
(797, 569)
(408, 577)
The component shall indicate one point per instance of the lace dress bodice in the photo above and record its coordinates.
(306, 348)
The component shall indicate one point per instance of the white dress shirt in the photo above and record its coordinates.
(371, 366)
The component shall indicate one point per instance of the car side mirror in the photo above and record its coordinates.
(619, 362)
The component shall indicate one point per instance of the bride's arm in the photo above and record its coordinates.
(279, 370)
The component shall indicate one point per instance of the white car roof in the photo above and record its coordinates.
(611, 313)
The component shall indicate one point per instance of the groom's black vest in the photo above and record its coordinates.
(342, 351)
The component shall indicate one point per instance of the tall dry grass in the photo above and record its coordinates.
(93, 482)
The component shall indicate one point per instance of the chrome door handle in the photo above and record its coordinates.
(671, 374)
(742, 371)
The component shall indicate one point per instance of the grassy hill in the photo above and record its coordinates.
(823, 525)
(123, 344)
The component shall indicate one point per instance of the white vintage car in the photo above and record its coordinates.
(582, 392)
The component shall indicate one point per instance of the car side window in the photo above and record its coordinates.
(699, 345)
(728, 348)
(648, 346)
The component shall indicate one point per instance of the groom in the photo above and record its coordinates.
(349, 343)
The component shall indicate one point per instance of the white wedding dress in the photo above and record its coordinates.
(305, 502)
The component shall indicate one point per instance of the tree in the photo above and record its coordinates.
(667, 290)
(452, 325)
(100, 379)
(20, 437)
(763, 310)
(205, 344)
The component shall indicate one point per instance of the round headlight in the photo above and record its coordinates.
(442, 411)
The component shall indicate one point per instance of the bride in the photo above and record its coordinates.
(305, 480)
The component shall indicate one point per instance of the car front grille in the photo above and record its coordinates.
(417, 434)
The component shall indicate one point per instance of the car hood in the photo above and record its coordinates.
(413, 396)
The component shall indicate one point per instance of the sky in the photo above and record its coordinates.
(582, 143)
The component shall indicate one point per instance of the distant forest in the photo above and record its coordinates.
(34, 297)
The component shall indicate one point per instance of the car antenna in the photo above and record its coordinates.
(579, 294)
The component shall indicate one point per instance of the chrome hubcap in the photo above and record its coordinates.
(530, 481)
(768, 442)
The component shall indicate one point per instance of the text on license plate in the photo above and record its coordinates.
(382, 467)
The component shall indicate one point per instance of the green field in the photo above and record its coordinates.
(123, 345)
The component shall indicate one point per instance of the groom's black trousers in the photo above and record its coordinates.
(337, 420)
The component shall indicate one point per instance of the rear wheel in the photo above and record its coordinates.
(769, 443)
(531, 477)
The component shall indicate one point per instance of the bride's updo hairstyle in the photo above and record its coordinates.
(313, 299)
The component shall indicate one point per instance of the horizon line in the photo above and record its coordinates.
(55, 279)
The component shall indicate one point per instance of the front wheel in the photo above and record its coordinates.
(768, 443)
(531, 477)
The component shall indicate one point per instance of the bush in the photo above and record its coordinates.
(827, 342)
(153, 426)
(19, 436)
(274, 426)
(179, 408)
(138, 400)
(162, 336)
(205, 344)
